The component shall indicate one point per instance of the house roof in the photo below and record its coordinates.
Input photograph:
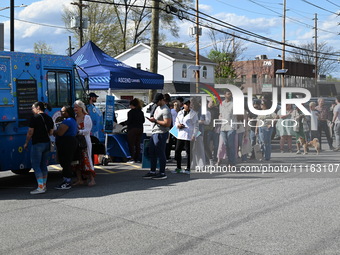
(182, 54)
(173, 53)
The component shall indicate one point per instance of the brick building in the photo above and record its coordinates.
(262, 74)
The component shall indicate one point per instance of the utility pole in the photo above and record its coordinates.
(69, 46)
(316, 52)
(154, 43)
(197, 48)
(80, 23)
(283, 42)
(12, 25)
(81, 26)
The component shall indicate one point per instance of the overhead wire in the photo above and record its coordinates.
(35, 23)
(333, 3)
(237, 29)
(260, 37)
(319, 7)
(292, 19)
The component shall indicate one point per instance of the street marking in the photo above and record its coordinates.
(131, 165)
(102, 168)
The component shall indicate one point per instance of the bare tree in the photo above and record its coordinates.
(42, 48)
(307, 56)
(117, 26)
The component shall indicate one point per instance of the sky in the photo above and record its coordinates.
(262, 17)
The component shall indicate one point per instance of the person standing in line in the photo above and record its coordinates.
(66, 144)
(174, 109)
(284, 128)
(314, 121)
(180, 101)
(134, 124)
(323, 122)
(187, 124)
(160, 133)
(85, 167)
(96, 117)
(40, 128)
(265, 129)
(336, 122)
(228, 131)
(198, 148)
(252, 123)
(211, 135)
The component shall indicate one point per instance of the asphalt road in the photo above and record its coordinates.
(220, 213)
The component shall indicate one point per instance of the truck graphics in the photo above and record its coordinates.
(24, 79)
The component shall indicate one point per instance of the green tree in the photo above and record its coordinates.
(42, 48)
(226, 49)
(118, 26)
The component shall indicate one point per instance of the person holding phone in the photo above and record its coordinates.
(160, 133)
(187, 124)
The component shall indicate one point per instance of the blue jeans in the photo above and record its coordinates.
(229, 140)
(157, 151)
(265, 135)
(39, 157)
(337, 135)
(324, 127)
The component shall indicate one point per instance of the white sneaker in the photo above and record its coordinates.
(38, 191)
(186, 172)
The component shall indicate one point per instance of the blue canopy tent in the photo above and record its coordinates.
(106, 72)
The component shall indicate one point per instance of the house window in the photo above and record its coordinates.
(265, 78)
(243, 78)
(139, 66)
(254, 78)
(184, 71)
(205, 72)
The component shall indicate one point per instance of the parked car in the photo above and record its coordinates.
(118, 106)
(121, 116)
(124, 102)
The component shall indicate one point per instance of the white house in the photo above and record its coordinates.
(175, 64)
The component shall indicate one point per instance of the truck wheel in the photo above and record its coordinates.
(105, 161)
(21, 171)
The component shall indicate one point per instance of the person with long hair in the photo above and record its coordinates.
(40, 128)
(134, 124)
(66, 144)
(265, 129)
(85, 167)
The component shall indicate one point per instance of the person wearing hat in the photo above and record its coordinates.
(96, 116)
(187, 124)
(160, 132)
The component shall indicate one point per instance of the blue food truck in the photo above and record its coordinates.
(24, 79)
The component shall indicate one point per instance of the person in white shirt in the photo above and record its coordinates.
(228, 131)
(336, 122)
(187, 124)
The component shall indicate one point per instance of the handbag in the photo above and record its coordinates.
(81, 141)
(51, 137)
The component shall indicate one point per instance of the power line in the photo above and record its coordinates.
(228, 26)
(252, 34)
(35, 23)
(333, 3)
(292, 19)
(222, 2)
(319, 7)
(240, 30)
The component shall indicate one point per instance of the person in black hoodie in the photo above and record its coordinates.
(134, 128)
